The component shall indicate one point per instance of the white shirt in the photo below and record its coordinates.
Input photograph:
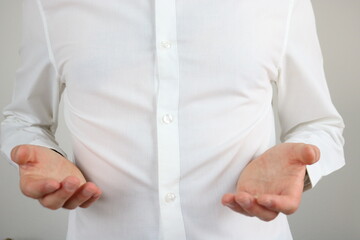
(166, 102)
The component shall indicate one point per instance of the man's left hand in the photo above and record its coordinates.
(273, 182)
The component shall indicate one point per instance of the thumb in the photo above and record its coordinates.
(308, 154)
(23, 154)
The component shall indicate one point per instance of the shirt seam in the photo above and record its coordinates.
(52, 61)
(47, 38)
(286, 38)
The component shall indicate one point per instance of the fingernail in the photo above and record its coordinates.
(87, 193)
(69, 186)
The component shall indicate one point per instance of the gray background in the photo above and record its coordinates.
(329, 212)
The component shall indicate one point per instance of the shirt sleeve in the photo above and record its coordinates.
(31, 117)
(306, 112)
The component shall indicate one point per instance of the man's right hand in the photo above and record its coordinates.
(52, 179)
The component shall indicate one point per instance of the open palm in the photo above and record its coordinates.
(273, 182)
(52, 179)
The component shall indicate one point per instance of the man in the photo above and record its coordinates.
(169, 108)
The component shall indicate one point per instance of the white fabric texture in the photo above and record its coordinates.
(166, 102)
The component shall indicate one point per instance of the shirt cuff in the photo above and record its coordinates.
(6, 149)
(307, 182)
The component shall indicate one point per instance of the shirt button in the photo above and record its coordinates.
(170, 197)
(167, 119)
(166, 44)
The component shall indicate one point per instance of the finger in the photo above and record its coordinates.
(38, 188)
(57, 199)
(250, 205)
(229, 201)
(308, 154)
(86, 192)
(89, 202)
(228, 198)
(285, 204)
(317, 153)
(23, 154)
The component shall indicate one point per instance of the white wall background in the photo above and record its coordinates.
(329, 212)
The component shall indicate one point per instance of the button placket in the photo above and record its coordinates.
(167, 113)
